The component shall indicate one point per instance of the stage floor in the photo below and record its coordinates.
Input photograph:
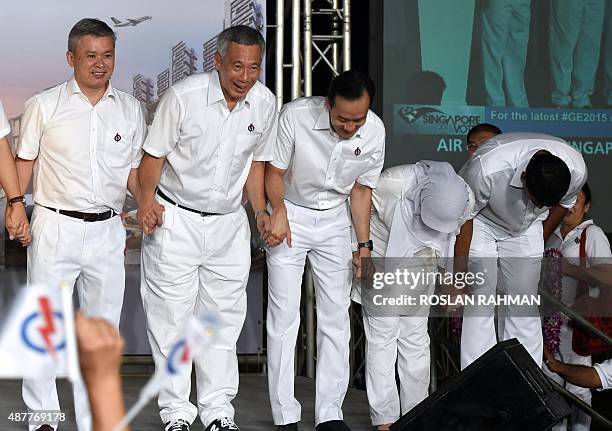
(252, 405)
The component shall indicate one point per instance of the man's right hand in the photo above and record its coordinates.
(150, 215)
(279, 228)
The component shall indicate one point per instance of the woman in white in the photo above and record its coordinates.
(597, 271)
(417, 211)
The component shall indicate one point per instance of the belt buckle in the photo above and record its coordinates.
(90, 217)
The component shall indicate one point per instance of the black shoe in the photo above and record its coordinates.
(287, 427)
(222, 424)
(45, 427)
(336, 425)
(177, 425)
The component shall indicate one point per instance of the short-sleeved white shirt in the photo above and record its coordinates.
(83, 153)
(597, 250)
(604, 370)
(5, 129)
(208, 148)
(322, 167)
(385, 198)
(494, 175)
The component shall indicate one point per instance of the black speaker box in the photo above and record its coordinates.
(502, 390)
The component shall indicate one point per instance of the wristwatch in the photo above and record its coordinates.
(17, 199)
(368, 244)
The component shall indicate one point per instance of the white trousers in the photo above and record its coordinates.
(89, 254)
(580, 421)
(323, 236)
(401, 341)
(514, 262)
(193, 265)
(389, 340)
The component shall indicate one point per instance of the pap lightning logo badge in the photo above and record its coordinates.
(41, 332)
(117, 137)
(357, 151)
(180, 355)
(251, 128)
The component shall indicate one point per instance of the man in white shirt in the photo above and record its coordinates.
(515, 178)
(16, 220)
(328, 149)
(83, 141)
(479, 134)
(417, 211)
(211, 136)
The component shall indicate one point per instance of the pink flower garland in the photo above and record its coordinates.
(551, 325)
(456, 324)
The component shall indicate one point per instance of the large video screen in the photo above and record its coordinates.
(522, 65)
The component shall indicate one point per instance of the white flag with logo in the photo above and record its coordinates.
(199, 334)
(37, 338)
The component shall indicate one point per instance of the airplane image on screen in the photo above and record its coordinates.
(131, 22)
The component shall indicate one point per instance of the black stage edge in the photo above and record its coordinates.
(503, 390)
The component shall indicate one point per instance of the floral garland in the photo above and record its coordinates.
(456, 324)
(551, 325)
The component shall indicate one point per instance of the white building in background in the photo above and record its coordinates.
(208, 54)
(245, 12)
(183, 62)
(163, 82)
(142, 89)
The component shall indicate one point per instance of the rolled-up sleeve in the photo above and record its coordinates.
(472, 173)
(605, 373)
(164, 133)
(370, 177)
(285, 140)
(5, 129)
(264, 151)
(139, 136)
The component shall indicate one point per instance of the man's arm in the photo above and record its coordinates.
(133, 184)
(16, 219)
(275, 189)
(150, 212)
(579, 375)
(462, 246)
(8, 172)
(361, 211)
(257, 196)
(555, 217)
(24, 173)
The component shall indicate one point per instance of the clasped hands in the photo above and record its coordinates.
(274, 229)
(150, 215)
(17, 224)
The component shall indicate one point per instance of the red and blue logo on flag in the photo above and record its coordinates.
(41, 330)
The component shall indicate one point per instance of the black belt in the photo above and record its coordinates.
(167, 199)
(88, 217)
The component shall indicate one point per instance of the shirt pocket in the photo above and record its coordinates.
(354, 162)
(246, 143)
(118, 147)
